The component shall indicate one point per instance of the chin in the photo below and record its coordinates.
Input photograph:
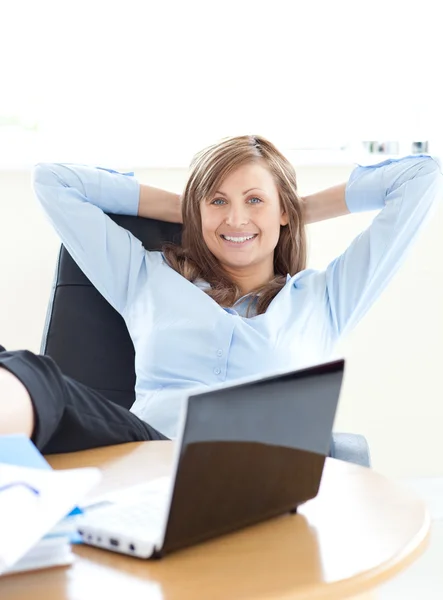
(236, 264)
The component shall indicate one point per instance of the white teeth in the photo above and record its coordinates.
(237, 239)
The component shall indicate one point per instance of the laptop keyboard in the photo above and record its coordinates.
(140, 521)
(137, 512)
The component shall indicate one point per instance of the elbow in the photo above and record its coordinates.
(430, 166)
(42, 181)
(423, 172)
(433, 162)
(431, 170)
(54, 175)
(429, 182)
(47, 180)
(44, 174)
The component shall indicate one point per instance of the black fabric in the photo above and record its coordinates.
(86, 337)
(70, 416)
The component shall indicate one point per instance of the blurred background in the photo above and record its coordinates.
(144, 85)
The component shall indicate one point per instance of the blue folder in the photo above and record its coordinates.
(20, 451)
(17, 449)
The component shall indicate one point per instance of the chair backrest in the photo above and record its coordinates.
(85, 336)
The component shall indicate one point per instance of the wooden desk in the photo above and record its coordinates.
(360, 531)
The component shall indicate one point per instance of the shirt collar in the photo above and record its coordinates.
(204, 285)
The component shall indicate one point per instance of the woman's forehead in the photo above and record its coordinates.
(247, 177)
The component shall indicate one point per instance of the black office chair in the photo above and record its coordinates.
(89, 340)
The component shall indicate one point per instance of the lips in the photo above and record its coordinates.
(238, 240)
(238, 236)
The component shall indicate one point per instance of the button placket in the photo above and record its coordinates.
(220, 365)
(217, 369)
(222, 344)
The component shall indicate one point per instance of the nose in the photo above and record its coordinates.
(237, 215)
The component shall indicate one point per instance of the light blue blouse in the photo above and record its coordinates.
(183, 339)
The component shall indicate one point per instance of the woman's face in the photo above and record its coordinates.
(241, 222)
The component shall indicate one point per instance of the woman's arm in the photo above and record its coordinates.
(159, 204)
(327, 204)
(406, 190)
(75, 199)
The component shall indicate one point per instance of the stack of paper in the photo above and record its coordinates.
(50, 552)
(34, 502)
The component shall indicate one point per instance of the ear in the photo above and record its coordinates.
(284, 220)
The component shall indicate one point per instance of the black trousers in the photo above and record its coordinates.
(70, 416)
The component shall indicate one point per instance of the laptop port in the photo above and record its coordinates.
(114, 542)
(132, 547)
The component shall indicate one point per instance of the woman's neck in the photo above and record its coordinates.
(249, 280)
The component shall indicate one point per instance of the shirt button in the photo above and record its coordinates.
(219, 352)
(217, 371)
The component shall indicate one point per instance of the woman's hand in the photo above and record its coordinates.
(159, 204)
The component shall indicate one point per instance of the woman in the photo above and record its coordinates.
(234, 301)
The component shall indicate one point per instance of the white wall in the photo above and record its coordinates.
(393, 390)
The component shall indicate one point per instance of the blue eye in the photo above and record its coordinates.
(251, 200)
(218, 201)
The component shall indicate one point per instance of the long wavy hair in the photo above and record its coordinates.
(209, 168)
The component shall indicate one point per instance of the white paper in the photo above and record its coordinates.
(30, 562)
(26, 517)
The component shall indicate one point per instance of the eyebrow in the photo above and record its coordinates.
(244, 193)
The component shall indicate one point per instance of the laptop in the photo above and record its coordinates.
(245, 453)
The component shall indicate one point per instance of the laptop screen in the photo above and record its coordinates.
(252, 451)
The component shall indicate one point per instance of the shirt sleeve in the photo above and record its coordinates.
(75, 198)
(406, 190)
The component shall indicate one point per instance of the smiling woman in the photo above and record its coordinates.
(234, 301)
(242, 229)
(243, 222)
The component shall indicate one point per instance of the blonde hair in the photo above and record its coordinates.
(209, 168)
